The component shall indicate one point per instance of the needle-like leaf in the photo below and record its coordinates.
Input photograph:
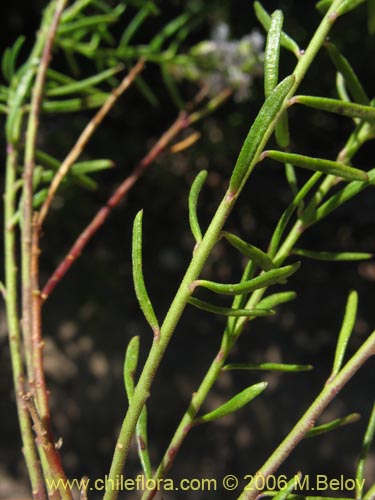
(227, 311)
(265, 20)
(286, 216)
(193, 202)
(130, 366)
(83, 85)
(334, 424)
(9, 59)
(343, 196)
(75, 104)
(365, 449)
(139, 284)
(333, 256)
(271, 73)
(348, 5)
(272, 367)
(319, 165)
(264, 280)
(285, 492)
(90, 166)
(265, 119)
(260, 258)
(272, 53)
(169, 30)
(345, 332)
(234, 404)
(349, 109)
(351, 79)
(323, 6)
(276, 299)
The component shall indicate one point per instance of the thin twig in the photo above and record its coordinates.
(75, 251)
(27, 192)
(15, 343)
(29, 252)
(85, 137)
(49, 449)
(307, 421)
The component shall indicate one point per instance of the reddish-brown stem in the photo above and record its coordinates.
(44, 442)
(179, 124)
(85, 136)
(30, 309)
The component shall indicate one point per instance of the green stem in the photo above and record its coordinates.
(197, 263)
(228, 341)
(307, 421)
(29, 449)
(161, 341)
(31, 325)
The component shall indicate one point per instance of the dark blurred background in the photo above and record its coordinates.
(93, 313)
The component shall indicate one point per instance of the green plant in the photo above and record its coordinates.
(83, 31)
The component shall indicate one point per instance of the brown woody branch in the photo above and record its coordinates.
(75, 251)
(85, 136)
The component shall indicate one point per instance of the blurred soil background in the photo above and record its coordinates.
(93, 313)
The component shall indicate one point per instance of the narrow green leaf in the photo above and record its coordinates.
(334, 424)
(72, 11)
(291, 177)
(319, 165)
(271, 73)
(365, 450)
(146, 91)
(282, 130)
(264, 280)
(292, 483)
(276, 299)
(75, 104)
(351, 79)
(89, 22)
(170, 29)
(50, 162)
(333, 256)
(341, 88)
(81, 86)
(345, 332)
(90, 166)
(286, 216)
(265, 20)
(260, 258)
(371, 16)
(139, 284)
(134, 25)
(234, 404)
(239, 301)
(273, 367)
(6, 63)
(264, 120)
(344, 108)
(193, 202)
(348, 5)
(25, 78)
(130, 366)
(9, 60)
(142, 443)
(39, 197)
(172, 87)
(323, 6)
(343, 196)
(57, 80)
(272, 53)
(227, 311)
